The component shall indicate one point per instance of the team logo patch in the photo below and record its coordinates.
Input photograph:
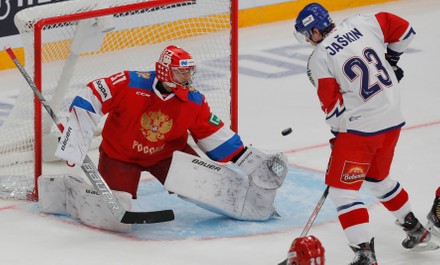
(102, 89)
(306, 21)
(213, 119)
(354, 172)
(155, 125)
(186, 63)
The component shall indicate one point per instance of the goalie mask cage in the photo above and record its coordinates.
(68, 44)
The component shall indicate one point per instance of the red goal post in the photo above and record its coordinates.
(69, 44)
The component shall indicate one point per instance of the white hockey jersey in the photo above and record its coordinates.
(356, 85)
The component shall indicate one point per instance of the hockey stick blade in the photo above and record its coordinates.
(147, 217)
(92, 172)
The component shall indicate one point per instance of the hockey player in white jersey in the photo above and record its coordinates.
(354, 69)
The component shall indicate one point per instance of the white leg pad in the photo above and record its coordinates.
(71, 196)
(218, 189)
(52, 194)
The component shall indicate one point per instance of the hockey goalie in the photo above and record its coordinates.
(150, 117)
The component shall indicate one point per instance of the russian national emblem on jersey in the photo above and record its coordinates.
(155, 125)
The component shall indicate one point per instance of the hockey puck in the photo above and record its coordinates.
(286, 131)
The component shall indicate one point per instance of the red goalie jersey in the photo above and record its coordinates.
(144, 126)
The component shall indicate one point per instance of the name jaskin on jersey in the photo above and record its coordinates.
(343, 40)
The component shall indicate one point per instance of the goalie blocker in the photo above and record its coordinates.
(244, 192)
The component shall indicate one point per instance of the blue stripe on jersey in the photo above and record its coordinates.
(142, 80)
(378, 132)
(410, 32)
(82, 103)
(226, 149)
(337, 112)
(195, 96)
(346, 206)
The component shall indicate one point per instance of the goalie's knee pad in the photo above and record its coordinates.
(67, 195)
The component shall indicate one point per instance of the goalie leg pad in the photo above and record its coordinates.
(52, 194)
(71, 196)
(265, 170)
(218, 189)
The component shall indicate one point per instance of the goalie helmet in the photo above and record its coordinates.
(306, 251)
(175, 67)
(311, 16)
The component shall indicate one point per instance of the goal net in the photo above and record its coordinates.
(68, 44)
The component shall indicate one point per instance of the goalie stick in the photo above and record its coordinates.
(312, 218)
(91, 171)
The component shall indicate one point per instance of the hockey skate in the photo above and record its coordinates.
(418, 237)
(364, 254)
(433, 225)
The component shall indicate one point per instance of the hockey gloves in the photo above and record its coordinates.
(397, 70)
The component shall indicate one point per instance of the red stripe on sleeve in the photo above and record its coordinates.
(393, 27)
(328, 93)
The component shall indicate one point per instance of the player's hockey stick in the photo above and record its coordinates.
(312, 218)
(91, 171)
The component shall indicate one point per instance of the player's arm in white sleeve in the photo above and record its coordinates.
(85, 114)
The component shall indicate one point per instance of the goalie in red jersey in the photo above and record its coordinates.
(150, 116)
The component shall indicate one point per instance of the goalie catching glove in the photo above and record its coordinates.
(265, 170)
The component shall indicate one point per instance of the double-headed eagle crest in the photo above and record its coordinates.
(155, 125)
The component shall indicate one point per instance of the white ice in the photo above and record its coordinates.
(267, 106)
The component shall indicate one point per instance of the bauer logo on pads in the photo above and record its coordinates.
(103, 90)
(354, 172)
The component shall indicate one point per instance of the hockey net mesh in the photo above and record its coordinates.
(128, 40)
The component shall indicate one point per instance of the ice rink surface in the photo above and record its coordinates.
(274, 93)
